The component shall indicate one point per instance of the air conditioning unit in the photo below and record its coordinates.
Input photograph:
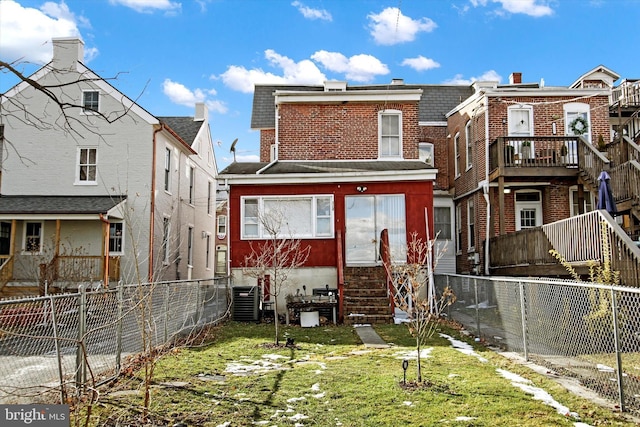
(474, 258)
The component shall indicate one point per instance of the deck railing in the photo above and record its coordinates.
(533, 151)
(6, 269)
(86, 268)
(627, 93)
(525, 247)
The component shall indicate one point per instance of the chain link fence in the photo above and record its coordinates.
(54, 345)
(587, 331)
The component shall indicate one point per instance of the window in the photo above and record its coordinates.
(115, 237)
(209, 196)
(33, 237)
(166, 228)
(222, 226)
(587, 201)
(456, 150)
(425, 153)
(190, 246)
(292, 216)
(192, 185)
(221, 259)
(442, 222)
(366, 218)
(207, 260)
(528, 205)
(90, 101)
(167, 169)
(469, 144)
(390, 133)
(458, 229)
(87, 165)
(471, 221)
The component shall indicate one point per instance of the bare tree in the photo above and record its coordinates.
(275, 257)
(414, 291)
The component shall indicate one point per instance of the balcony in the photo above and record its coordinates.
(543, 156)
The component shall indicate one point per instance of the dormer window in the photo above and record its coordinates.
(390, 134)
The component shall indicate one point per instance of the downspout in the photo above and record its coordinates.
(228, 266)
(152, 203)
(486, 189)
(105, 251)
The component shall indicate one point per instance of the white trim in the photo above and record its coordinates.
(122, 238)
(344, 177)
(24, 238)
(399, 95)
(438, 124)
(390, 113)
(77, 172)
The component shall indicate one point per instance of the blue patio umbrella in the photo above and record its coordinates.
(605, 196)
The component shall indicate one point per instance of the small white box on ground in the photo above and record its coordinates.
(309, 319)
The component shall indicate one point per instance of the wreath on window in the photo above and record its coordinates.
(579, 126)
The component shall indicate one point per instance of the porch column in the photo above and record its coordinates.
(501, 204)
(12, 238)
(105, 251)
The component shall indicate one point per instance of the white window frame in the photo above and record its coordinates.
(79, 166)
(89, 109)
(166, 236)
(192, 184)
(209, 197)
(167, 169)
(315, 234)
(207, 253)
(381, 137)
(114, 238)
(456, 152)
(25, 248)
(471, 225)
(221, 226)
(190, 243)
(425, 153)
(468, 145)
(589, 201)
(536, 205)
(449, 223)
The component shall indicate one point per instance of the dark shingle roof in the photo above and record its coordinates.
(58, 204)
(435, 102)
(302, 167)
(185, 127)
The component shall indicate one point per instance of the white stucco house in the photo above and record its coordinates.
(101, 189)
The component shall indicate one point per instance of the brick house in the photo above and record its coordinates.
(350, 162)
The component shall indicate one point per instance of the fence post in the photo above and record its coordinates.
(120, 301)
(54, 323)
(523, 309)
(82, 329)
(166, 312)
(614, 309)
(475, 290)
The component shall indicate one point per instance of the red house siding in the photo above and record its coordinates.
(418, 196)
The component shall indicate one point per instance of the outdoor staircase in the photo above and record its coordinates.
(366, 299)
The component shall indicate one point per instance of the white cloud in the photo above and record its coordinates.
(310, 13)
(535, 8)
(27, 32)
(391, 27)
(421, 63)
(359, 68)
(181, 95)
(241, 79)
(148, 6)
(488, 76)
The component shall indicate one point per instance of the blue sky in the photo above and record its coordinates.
(169, 54)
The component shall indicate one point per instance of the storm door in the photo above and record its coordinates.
(5, 238)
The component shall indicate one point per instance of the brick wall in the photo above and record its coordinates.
(437, 135)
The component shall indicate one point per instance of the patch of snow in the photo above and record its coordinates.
(465, 418)
(537, 393)
(413, 354)
(407, 403)
(296, 399)
(274, 356)
(483, 304)
(260, 423)
(463, 347)
(315, 387)
(320, 395)
(298, 417)
(604, 368)
(453, 375)
(225, 424)
(257, 367)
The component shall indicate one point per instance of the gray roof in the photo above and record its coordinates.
(58, 204)
(435, 102)
(185, 127)
(307, 167)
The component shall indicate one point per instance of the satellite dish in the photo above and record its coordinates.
(233, 149)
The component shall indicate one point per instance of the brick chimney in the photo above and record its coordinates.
(515, 78)
(67, 52)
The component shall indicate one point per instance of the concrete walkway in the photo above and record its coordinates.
(369, 337)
